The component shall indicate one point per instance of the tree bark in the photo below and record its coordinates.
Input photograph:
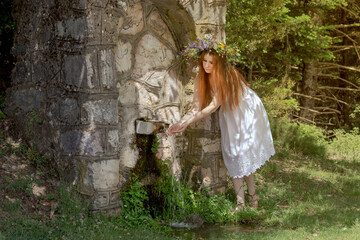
(309, 88)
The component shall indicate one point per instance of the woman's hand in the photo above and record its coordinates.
(176, 128)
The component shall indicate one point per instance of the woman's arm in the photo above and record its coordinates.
(192, 116)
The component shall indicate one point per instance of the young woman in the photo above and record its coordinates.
(246, 138)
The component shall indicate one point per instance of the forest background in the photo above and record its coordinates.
(305, 54)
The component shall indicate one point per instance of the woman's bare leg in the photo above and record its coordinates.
(253, 201)
(240, 196)
(239, 190)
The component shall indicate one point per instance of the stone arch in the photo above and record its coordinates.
(149, 87)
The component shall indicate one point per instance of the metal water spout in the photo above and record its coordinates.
(148, 127)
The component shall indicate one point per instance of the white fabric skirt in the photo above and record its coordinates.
(246, 139)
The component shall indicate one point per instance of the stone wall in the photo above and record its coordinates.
(87, 70)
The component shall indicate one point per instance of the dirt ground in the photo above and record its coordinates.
(23, 184)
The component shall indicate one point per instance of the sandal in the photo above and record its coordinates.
(253, 201)
(239, 207)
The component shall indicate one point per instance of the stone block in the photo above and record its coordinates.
(101, 200)
(79, 4)
(19, 50)
(137, 93)
(215, 122)
(50, 3)
(171, 88)
(94, 31)
(105, 174)
(201, 145)
(133, 23)
(107, 71)
(81, 70)
(155, 79)
(129, 114)
(21, 72)
(112, 139)
(197, 10)
(128, 154)
(123, 56)
(150, 47)
(72, 29)
(44, 68)
(158, 25)
(77, 142)
(204, 124)
(84, 178)
(217, 14)
(209, 145)
(169, 114)
(115, 197)
(110, 18)
(102, 111)
(216, 31)
(128, 94)
(69, 111)
(27, 99)
(46, 34)
(222, 169)
(99, 3)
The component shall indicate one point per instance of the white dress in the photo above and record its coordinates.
(246, 139)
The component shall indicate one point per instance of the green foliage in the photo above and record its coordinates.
(267, 29)
(41, 162)
(345, 145)
(6, 21)
(155, 145)
(11, 206)
(2, 105)
(297, 138)
(278, 100)
(133, 198)
(254, 28)
(22, 184)
(356, 112)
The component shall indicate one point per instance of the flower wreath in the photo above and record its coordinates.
(192, 52)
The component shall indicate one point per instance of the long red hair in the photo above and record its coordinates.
(224, 82)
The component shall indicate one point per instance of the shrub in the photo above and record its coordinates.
(297, 138)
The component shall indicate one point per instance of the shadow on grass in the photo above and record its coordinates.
(311, 193)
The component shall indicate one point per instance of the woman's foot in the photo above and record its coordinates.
(239, 207)
(253, 201)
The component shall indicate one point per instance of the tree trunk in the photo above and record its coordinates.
(309, 88)
(344, 74)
